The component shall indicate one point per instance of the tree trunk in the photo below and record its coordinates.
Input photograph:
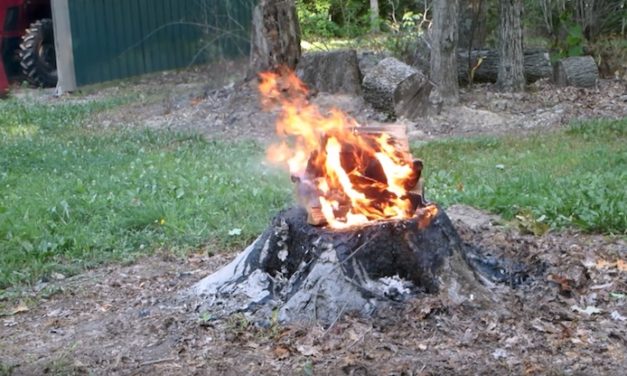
(537, 65)
(275, 39)
(334, 71)
(579, 71)
(511, 75)
(444, 48)
(374, 16)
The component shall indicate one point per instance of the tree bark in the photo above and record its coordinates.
(511, 75)
(331, 71)
(397, 89)
(374, 16)
(444, 48)
(275, 39)
(537, 65)
(579, 71)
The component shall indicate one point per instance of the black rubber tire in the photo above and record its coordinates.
(37, 56)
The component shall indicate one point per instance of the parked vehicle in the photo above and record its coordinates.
(27, 43)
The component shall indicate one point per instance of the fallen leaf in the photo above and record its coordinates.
(499, 353)
(589, 310)
(617, 316)
(235, 232)
(308, 350)
(21, 308)
(281, 352)
(621, 265)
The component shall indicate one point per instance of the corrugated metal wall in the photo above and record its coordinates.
(121, 38)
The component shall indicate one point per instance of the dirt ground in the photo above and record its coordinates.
(568, 318)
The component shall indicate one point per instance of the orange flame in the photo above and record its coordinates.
(353, 177)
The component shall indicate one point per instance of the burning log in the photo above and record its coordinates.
(311, 273)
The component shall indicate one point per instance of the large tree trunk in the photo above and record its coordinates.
(275, 36)
(511, 75)
(444, 47)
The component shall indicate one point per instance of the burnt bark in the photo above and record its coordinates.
(443, 50)
(331, 72)
(511, 75)
(275, 39)
(311, 273)
(536, 65)
(579, 71)
(397, 89)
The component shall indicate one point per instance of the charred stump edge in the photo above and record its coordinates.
(316, 274)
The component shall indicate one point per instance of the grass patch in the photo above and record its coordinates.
(575, 177)
(72, 197)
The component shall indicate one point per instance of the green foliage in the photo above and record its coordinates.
(403, 41)
(573, 178)
(333, 18)
(610, 53)
(71, 197)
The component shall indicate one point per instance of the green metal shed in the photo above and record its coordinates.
(102, 40)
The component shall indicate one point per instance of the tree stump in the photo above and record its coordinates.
(581, 71)
(537, 65)
(397, 89)
(311, 273)
(331, 72)
(275, 39)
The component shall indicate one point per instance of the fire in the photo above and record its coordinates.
(352, 177)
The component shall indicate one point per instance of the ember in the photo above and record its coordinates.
(346, 174)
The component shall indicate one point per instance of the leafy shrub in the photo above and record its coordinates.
(610, 53)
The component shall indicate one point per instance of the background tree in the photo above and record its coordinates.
(443, 49)
(511, 75)
(275, 36)
(374, 16)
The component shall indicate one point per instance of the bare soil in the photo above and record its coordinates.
(569, 317)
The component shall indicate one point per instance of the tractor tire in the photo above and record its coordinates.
(37, 56)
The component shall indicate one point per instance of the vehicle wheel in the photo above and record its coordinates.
(37, 57)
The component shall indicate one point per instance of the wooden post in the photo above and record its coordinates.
(63, 46)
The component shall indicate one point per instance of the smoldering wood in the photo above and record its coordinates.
(536, 65)
(309, 273)
(397, 89)
(331, 71)
(275, 36)
(581, 71)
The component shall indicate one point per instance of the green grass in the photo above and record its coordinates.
(576, 177)
(72, 197)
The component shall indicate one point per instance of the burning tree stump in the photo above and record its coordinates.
(312, 273)
(363, 238)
